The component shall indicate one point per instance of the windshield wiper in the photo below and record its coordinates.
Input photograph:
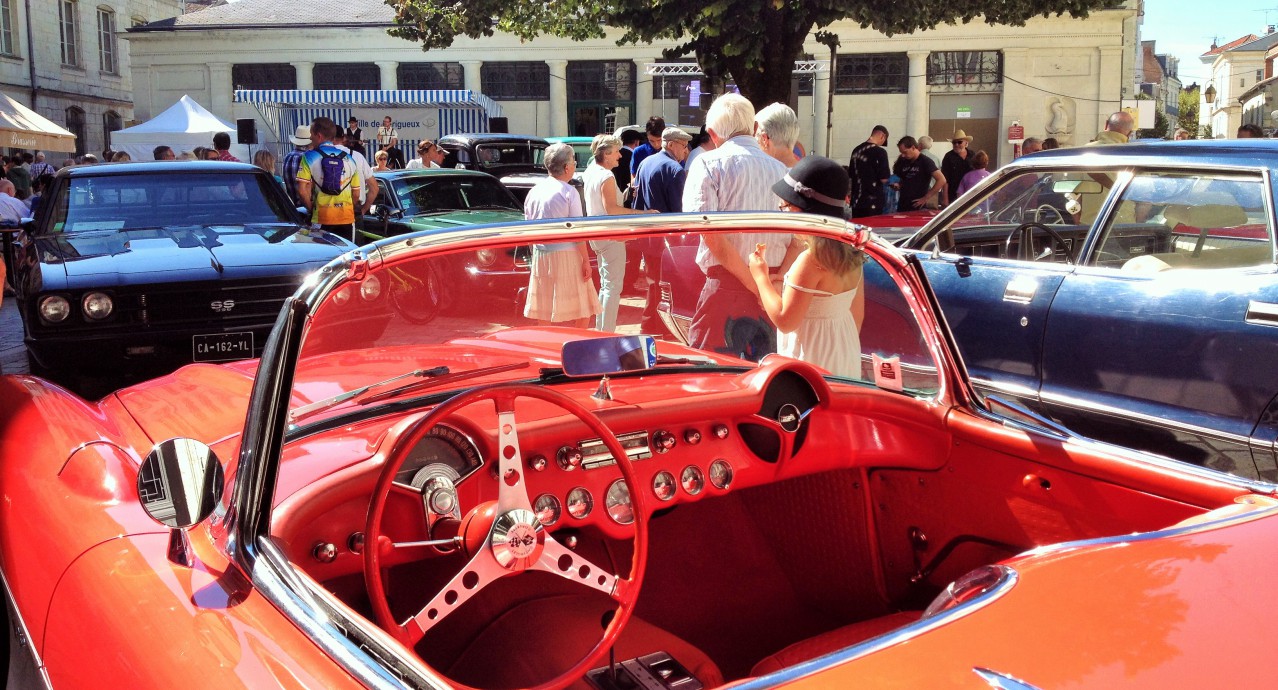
(319, 405)
(491, 207)
(439, 381)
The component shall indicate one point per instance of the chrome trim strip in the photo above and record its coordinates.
(875, 644)
(36, 659)
(1001, 681)
(1262, 313)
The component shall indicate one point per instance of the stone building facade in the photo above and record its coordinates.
(67, 61)
(1056, 76)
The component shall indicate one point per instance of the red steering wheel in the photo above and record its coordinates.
(505, 538)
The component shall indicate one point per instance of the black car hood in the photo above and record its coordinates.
(124, 257)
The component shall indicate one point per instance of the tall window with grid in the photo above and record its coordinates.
(264, 75)
(516, 81)
(430, 75)
(7, 45)
(69, 25)
(965, 68)
(108, 50)
(75, 125)
(872, 73)
(347, 75)
(598, 80)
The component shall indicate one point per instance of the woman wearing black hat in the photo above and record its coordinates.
(818, 314)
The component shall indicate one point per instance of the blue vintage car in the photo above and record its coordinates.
(137, 268)
(1128, 292)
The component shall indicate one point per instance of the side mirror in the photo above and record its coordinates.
(180, 484)
(381, 211)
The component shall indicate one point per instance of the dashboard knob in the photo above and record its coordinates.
(692, 437)
(537, 463)
(568, 458)
(324, 552)
(663, 441)
(720, 431)
(356, 542)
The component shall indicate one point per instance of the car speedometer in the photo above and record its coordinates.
(617, 503)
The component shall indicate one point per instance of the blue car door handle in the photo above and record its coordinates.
(1262, 313)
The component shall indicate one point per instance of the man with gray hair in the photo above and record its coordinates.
(1031, 145)
(736, 176)
(776, 128)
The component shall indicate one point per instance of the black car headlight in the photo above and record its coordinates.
(55, 309)
(97, 306)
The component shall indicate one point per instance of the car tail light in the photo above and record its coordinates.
(971, 586)
(55, 309)
(97, 306)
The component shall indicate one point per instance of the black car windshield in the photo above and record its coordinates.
(168, 198)
(524, 153)
(436, 192)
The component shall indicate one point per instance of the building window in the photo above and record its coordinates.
(597, 80)
(347, 75)
(7, 45)
(264, 75)
(75, 125)
(69, 23)
(430, 75)
(111, 122)
(516, 81)
(872, 73)
(108, 53)
(957, 68)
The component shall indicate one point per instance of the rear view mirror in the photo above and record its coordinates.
(595, 356)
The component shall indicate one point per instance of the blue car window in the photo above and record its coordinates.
(1178, 222)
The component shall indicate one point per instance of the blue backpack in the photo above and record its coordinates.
(332, 168)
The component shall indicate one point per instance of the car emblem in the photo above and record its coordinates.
(223, 305)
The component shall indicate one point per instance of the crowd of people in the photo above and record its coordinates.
(764, 292)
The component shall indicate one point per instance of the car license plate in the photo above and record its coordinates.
(221, 347)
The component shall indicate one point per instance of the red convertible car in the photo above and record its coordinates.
(483, 501)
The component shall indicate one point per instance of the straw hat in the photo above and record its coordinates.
(301, 137)
(960, 134)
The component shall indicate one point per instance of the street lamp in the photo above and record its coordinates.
(1210, 94)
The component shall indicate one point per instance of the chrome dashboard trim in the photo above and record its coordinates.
(594, 454)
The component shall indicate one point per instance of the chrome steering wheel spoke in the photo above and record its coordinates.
(481, 571)
(559, 560)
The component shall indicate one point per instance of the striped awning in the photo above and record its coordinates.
(458, 111)
(442, 98)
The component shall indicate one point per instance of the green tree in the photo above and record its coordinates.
(1189, 111)
(755, 42)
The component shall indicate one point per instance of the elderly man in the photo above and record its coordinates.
(659, 188)
(736, 176)
(560, 288)
(776, 128)
(1031, 145)
(1118, 128)
(12, 211)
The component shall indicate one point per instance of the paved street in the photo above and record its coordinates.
(13, 356)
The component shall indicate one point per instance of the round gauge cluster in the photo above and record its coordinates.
(445, 446)
(580, 503)
(617, 503)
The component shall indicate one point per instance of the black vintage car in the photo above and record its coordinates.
(137, 268)
(515, 159)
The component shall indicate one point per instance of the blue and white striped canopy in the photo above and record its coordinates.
(460, 111)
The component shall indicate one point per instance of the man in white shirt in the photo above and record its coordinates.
(429, 155)
(736, 176)
(388, 141)
(12, 211)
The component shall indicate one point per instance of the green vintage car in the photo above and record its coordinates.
(410, 201)
(415, 200)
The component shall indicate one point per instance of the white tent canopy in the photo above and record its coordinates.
(184, 126)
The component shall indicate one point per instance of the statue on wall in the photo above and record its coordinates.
(1060, 119)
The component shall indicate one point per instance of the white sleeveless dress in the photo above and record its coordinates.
(827, 336)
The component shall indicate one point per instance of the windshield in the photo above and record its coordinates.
(512, 153)
(503, 311)
(434, 193)
(168, 199)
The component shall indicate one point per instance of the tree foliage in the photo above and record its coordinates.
(755, 42)
(1188, 102)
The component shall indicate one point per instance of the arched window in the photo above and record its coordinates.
(75, 125)
(111, 122)
(108, 50)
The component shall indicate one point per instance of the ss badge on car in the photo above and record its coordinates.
(223, 305)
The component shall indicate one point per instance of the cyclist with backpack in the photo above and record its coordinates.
(328, 182)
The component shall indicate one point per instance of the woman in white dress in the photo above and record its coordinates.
(560, 289)
(604, 199)
(818, 314)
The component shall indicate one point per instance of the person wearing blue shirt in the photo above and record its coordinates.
(654, 128)
(659, 187)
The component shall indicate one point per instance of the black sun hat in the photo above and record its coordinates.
(816, 185)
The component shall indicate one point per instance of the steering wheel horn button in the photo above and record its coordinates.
(517, 538)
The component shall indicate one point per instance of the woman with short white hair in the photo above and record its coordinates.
(776, 129)
(604, 199)
(560, 288)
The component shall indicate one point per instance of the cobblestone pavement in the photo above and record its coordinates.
(13, 355)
